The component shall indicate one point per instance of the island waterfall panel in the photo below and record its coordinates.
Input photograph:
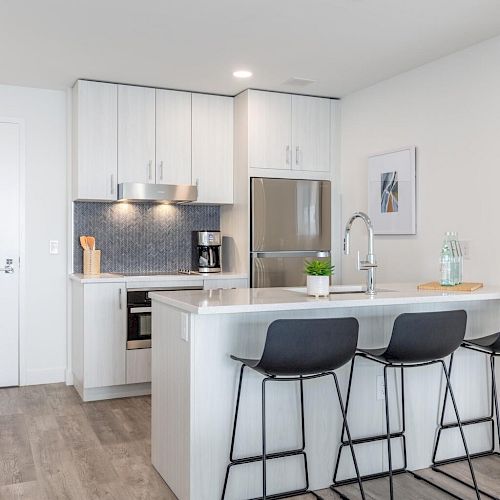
(194, 393)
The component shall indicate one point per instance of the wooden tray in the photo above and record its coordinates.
(463, 287)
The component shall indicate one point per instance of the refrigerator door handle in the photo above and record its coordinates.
(299, 253)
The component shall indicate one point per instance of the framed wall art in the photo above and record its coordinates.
(392, 191)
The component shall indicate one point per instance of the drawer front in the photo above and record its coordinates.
(138, 366)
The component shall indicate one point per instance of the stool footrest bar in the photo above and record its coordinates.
(472, 421)
(369, 439)
(368, 477)
(269, 456)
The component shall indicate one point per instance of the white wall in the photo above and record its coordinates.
(449, 109)
(44, 113)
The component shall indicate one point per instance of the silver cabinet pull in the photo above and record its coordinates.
(297, 152)
(150, 175)
(120, 298)
(288, 155)
(161, 170)
(9, 268)
(112, 184)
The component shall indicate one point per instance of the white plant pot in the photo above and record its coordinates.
(318, 286)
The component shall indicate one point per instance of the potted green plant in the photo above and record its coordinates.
(318, 277)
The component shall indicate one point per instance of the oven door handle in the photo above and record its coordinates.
(138, 310)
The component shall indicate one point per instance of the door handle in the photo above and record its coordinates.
(297, 152)
(9, 268)
(161, 170)
(288, 155)
(150, 176)
(111, 184)
(120, 298)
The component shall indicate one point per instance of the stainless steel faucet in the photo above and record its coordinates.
(369, 264)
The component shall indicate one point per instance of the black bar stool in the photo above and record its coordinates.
(490, 346)
(418, 339)
(298, 350)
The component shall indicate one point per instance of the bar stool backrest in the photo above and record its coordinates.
(297, 347)
(429, 336)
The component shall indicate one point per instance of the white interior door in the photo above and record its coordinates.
(10, 159)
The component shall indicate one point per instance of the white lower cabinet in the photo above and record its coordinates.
(138, 366)
(99, 340)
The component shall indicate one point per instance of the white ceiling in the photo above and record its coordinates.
(344, 45)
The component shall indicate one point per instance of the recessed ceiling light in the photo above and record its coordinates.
(242, 73)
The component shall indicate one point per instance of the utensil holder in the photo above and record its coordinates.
(91, 262)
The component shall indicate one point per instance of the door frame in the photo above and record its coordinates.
(22, 245)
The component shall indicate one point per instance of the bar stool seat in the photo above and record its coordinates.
(490, 343)
(297, 350)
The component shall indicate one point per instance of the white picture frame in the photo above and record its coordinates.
(392, 191)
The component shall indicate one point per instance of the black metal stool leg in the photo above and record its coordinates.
(233, 435)
(346, 427)
(264, 486)
(452, 397)
(495, 396)
(388, 425)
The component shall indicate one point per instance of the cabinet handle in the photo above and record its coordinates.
(288, 155)
(297, 152)
(120, 298)
(112, 184)
(161, 170)
(150, 176)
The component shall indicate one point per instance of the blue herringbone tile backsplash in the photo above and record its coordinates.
(142, 237)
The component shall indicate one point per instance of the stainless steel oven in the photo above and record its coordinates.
(139, 315)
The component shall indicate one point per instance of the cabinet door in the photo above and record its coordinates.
(136, 134)
(269, 134)
(173, 137)
(105, 334)
(212, 158)
(310, 133)
(95, 140)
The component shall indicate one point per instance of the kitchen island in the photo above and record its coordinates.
(195, 384)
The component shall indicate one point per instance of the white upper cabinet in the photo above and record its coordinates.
(212, 148)
(310, 133)
(94, 141)
(288, 132)
(173, 137)
(269, 130)
(136, 134)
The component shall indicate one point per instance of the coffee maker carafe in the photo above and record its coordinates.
(209, 251)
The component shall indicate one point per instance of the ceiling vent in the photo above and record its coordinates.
(299, 82)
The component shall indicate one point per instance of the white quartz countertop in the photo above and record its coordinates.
(245, 300)
(121, 278)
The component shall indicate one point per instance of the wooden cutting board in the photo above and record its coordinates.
(463, 287)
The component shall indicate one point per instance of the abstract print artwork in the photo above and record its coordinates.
(392, 191)
(389, 192)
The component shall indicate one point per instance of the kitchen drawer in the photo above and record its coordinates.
(138, 366)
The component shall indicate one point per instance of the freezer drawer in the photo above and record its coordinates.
(275, 271)
(289, 214)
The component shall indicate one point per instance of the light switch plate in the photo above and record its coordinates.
(54, 247)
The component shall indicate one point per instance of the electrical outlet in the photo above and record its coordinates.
(465, 246)
(380, 388)
(53, 247)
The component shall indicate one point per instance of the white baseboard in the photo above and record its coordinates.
(69, 377)
(46, 376)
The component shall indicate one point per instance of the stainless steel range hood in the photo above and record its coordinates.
(166, 193)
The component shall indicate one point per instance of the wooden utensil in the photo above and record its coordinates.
(91, 242)
(84, 243)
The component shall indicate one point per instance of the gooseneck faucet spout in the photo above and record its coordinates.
(369, 264)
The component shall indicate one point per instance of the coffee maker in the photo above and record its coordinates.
(209, 251)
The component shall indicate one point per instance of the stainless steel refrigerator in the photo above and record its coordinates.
(290, 222)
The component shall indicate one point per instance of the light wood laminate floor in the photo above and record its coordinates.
(54, 447)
